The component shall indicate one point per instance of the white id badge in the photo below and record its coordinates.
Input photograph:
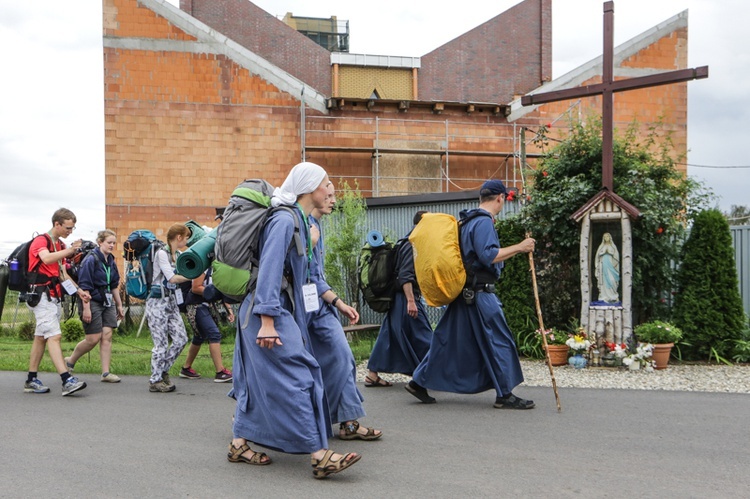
(310, 294)
(108, 299)
(70, 288)
(178, 296)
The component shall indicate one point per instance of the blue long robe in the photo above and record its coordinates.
(332, 350)
(280, 399)
(403, 341)
(473, 349)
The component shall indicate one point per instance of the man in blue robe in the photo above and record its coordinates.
(330, 347)
(472, 349)
(405, 333)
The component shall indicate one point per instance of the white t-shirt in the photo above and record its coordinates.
(162, 268)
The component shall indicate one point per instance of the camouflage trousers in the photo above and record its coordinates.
(165, 323)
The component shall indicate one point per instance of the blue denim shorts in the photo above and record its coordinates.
(205, 327)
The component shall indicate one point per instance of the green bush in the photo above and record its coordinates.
(708, 306)
(515, 291)
(26, 331)
(72, 329)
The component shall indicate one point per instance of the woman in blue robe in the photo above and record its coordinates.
(405, 334)
(277, 381)
(472, 349)
(330, 347)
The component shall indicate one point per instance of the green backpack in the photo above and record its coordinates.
(235, 266)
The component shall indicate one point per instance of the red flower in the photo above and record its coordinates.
(544, 174)
(511, 196)
(549, 125)
(660, 230)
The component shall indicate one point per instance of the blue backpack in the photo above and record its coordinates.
(140, 249)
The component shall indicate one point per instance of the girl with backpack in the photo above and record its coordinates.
(162, 310)
(99, 276)
(277, 381)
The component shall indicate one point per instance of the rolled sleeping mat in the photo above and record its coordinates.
(196, 232)
(195, 260)
(375, 238)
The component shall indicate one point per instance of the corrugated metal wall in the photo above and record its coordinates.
(741, 240)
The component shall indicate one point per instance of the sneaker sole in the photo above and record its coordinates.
(222, 380)
(107, 380)
(33, 390)
(185, 376)
(73, 390)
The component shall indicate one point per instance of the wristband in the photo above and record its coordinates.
(333, 303)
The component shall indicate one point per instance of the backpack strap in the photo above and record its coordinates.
(47, 281)
(473, 277)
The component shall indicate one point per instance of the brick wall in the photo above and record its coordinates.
(508, 55)
(261, 33)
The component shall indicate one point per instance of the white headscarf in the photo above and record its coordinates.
(304, 178)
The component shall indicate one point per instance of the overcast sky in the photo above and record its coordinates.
(51, 91)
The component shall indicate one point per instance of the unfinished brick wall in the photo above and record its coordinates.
(263, 34)
(508, 55)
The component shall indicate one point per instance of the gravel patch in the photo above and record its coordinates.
(690, 378)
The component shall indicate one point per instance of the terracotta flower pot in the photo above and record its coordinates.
(558, 354)
(660, 355)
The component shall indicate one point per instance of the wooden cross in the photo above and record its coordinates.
(609, 86)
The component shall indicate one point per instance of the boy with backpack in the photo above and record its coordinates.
(46, 257)
(472, 348)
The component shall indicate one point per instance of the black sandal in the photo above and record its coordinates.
(420, 392)
(378, 382)
(513, 402)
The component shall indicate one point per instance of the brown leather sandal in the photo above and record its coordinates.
(327, 466)
(351, 433)
(235, 456)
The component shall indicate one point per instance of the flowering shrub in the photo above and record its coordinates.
(658, 332)
(554, 337)
(642, 355)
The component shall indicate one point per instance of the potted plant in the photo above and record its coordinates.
(641, 358)
(579, 344)
(662, 335)
(558, 350)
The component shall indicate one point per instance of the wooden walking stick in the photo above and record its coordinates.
(541, 328)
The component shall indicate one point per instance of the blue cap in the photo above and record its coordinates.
(492, 187)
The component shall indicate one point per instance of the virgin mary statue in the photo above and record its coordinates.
(607, 263)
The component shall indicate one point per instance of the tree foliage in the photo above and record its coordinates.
(569, 176)
(708, 306)
(344, 231)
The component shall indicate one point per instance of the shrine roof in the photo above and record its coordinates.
(601, 196)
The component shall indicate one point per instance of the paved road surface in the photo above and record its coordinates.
(122, 441)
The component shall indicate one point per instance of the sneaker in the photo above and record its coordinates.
(189, 372)
(70, 367)
(110, 378)
(223, 376)
(72, 386)
(160, 386)
(512, 402)
(166, 379)
(35, 386)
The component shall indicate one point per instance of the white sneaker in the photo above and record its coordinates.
(110, 378)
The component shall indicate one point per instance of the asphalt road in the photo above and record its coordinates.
(123, 441)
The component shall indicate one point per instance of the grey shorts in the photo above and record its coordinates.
(101, 317)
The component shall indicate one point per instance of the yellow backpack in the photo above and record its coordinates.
(437, 258)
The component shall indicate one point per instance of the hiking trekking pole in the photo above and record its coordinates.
(541, 328)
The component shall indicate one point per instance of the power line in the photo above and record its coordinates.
(714, 166)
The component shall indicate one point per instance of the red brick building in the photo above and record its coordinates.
(200, 97)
